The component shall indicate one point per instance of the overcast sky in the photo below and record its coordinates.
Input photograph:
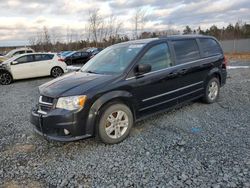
(22, 19)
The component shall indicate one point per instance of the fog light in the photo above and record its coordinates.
(66, 132)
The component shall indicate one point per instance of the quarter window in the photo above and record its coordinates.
(210, 47)
(158, 57)
(186, 50)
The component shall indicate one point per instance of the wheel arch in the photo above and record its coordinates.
(5, 71)
(56, 67)
(123, 97)
(214, 73)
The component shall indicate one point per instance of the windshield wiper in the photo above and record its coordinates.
(92, 72)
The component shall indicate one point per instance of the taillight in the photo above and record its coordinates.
(224, 63)
(62, 60)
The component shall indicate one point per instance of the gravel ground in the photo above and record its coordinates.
(196, 145)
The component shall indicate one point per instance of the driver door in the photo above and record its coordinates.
(22, 68)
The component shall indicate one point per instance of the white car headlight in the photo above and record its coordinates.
(72, 102)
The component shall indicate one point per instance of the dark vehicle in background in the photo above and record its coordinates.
(127, 82)
(64, 53)
(94, 51)
(75, 57)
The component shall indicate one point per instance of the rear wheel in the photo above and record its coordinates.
(5, 78)
(56, 72)
(115, 123)
(212, 91)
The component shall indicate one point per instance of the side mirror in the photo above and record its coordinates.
(14, 62)
(143, 69)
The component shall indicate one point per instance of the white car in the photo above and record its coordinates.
(30, 66)
(16, 52)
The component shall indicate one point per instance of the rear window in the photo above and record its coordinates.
(186, 50)
(210, 47)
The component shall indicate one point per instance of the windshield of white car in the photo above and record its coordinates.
(112, 60)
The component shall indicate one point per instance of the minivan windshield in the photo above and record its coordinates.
(112, 60)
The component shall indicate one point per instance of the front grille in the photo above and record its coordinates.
(45, 108)
(45, 104)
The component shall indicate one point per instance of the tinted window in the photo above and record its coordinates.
(43, 57)
(210, 47)
(78, 54)
(158, 57)
(18, 52)
(29, 51)
(84, 54)
(186, 50)
(25, 59)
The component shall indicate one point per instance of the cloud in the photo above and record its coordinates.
(20, 19)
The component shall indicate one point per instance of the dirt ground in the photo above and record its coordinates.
(238, 56)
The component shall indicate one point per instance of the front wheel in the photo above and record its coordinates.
(56, 72)
(212, 91)
(5, 78)
(115, 123)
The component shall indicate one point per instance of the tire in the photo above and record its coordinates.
(212, 91)
(56, 72)
(112, 129)
(5, 78)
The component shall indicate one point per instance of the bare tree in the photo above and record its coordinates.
(139, 21)
(95, 23)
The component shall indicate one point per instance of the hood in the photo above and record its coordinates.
(76, 83)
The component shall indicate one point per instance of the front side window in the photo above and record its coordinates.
(113, 60)
(210, 47)
(18, 53)
(84, 54)
(25, 59)
(78, 54)
(186, 50)
(158, 57)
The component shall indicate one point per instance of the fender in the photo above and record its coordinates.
(4, 69)
(213, 71)
(95, 108)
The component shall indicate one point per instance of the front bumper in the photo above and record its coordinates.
(53, 124)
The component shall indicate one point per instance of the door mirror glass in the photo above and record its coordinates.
(143, 69)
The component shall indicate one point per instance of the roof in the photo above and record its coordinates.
(172, 37)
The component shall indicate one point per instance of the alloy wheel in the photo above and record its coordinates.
(5, 78)
(213, 90)
(117, 124)
(56, 72)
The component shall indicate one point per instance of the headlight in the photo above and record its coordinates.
(72, 102)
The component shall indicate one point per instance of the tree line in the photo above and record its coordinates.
(231, 32)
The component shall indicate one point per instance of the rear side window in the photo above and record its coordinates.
(43, 57)
(158, 57)
(186, 50)
(210, 47)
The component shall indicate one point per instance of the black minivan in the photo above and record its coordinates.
(126, 82)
